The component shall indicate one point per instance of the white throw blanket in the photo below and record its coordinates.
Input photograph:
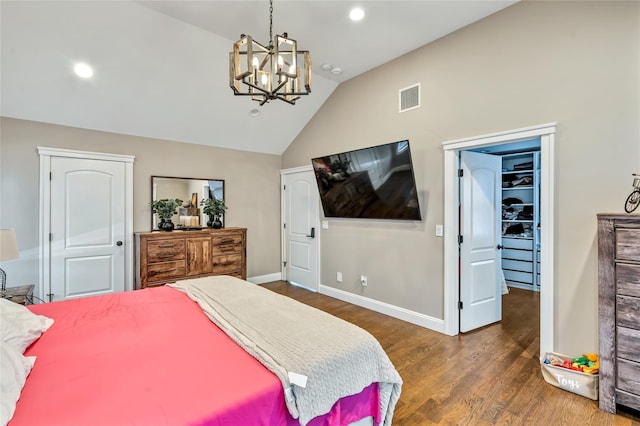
(298, 343)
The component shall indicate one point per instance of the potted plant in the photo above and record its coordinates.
(213, 208)
(165, 209)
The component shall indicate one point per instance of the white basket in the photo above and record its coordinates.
(570, 380)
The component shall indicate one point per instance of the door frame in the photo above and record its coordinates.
(546, 134)
(283, 235)
(45, 154)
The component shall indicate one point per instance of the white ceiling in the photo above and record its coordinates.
(161, 67)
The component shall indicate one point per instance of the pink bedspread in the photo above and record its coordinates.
(151, 357)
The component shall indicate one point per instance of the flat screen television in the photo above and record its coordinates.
(369, 183)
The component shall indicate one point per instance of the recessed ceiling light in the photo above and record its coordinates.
(83, 70)
(336, 71)
(356, 14)
(254, 112)
(326, 67)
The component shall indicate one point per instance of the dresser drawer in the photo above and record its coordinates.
(165, 250)
(227, 250)
(628, 344)
(628, 244)
(628, 377)
(523, 277)
(166, 271)
(517, 265)
(517, 243)
(230, 264)
(226, 239)
(628, 279)
(628, 312)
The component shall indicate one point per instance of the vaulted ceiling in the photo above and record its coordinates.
(161, 67)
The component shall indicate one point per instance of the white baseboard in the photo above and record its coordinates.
(261, 279)
(416, 318)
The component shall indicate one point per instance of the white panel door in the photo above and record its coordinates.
(480, 259)
(87, 227)
(301, 228)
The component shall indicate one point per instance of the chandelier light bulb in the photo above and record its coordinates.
(264, 79)
(256, 62)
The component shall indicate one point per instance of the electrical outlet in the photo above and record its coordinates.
(439, 230)
(339, 277)
(363, 280)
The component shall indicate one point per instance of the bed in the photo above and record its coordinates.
(211, 351)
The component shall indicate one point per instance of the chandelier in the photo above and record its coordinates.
(271, 72)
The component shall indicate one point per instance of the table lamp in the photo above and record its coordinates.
(8, 251)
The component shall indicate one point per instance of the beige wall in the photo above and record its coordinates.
(252, 186)
(574, 63)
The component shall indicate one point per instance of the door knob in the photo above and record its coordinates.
(119, 243)
(499, 246)
(313, 233)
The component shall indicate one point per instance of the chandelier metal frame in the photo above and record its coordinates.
(269, 72)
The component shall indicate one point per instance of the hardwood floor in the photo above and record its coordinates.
(488, 376)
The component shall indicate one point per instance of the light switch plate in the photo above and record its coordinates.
(439, 230)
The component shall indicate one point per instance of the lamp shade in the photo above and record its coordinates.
(8, 245)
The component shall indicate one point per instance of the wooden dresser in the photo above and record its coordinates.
(619, 310)
(163, 257)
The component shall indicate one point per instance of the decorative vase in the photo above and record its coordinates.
(214, 223)
(167, 225)
(160, 224)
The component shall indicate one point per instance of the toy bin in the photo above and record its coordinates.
(573, 381)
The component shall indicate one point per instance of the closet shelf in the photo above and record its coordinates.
(520, 213)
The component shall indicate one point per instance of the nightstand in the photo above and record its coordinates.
(22, 294)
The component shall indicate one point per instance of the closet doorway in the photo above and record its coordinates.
(545, 134)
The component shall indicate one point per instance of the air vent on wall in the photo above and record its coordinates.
(409, 98)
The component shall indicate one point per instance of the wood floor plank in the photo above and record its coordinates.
(490, 376)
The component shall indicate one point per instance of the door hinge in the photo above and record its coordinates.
(460, 305)
(285, 226)
(460, 173)
(460, 239)
(50, 175)
(50, 236)
(284, 187)
(284, 263)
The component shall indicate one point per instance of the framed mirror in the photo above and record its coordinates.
(191, 191)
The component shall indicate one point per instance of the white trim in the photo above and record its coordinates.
(44, 279)
(58, 152)
(261, 279)
(547, 226)
(546, 133)
(403, 314)
(300, 169)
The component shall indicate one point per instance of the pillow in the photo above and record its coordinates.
(14, 369)
(19, 327)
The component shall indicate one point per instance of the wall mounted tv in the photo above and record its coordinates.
(369, 183)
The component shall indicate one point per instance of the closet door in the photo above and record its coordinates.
(86, 221)
(480, 283)
(87, 227)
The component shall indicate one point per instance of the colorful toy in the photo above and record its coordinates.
(587, 363)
